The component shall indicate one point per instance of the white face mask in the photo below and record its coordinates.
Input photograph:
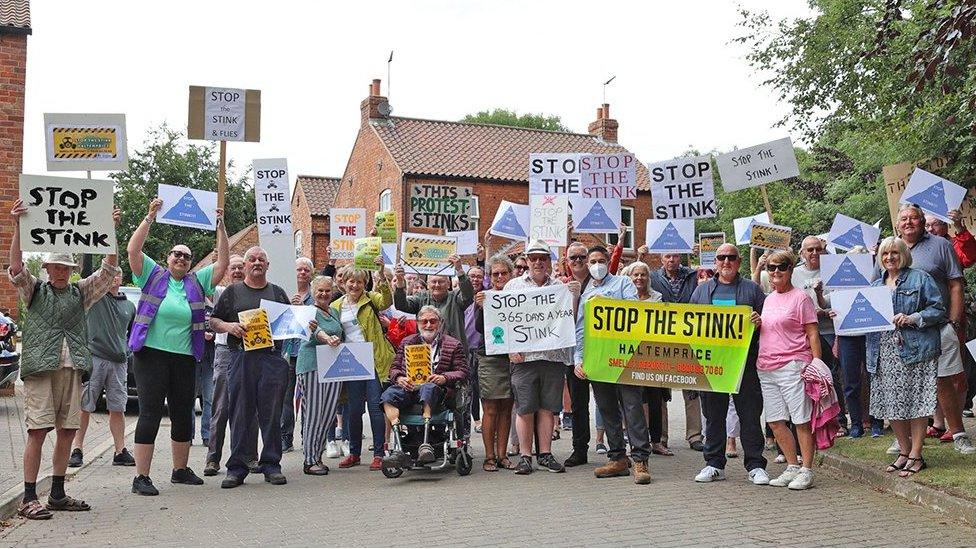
(598, 270)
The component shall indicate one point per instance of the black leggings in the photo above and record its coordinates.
(164, 376)
(655, 397)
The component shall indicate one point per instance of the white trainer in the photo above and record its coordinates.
(894, 449)
(802, 480)
(963, 444)
(332, 450)
(344, 447)
(787, 477)
(759, 476)
(710, 474)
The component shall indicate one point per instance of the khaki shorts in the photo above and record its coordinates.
(950, 361)
(53, 399)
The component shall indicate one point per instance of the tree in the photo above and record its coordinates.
(503, 117)
(167, 158)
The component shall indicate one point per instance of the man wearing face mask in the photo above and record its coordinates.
(612, 397)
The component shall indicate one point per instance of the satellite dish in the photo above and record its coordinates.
(385, 108)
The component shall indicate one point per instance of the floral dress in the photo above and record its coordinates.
(898, 390)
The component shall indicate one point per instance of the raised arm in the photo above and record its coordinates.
(138, 239)
(223, 248)
(16, 255)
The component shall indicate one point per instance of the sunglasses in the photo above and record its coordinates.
(502, 273)
(781, 267)
(521, 267)
(577, 258)
(724, 257)
(429, 321)
(180, 255)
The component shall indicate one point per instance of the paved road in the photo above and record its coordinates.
(356, 507)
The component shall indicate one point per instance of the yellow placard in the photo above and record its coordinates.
(85, 142)
(257, 329)
(366, 252)
(770, 237)
(386, 226)
(417, 358)
(427, 254)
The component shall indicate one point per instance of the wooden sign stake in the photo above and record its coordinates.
(765, 197)
(222, 175)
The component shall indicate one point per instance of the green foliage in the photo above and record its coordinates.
(503, 117)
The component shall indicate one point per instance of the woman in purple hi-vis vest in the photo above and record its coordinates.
(167, 339)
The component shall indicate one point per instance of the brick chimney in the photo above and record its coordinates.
(604, 128)
(370, 106)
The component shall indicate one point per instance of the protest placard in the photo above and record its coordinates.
(708, 244)
(862, 311)
(65, 214)
(935, 195)
(85, 142)
(347, 362)
(445, 207)
(272, 200)
(346, 225)
(511, 221)
(847, 232)
(847, 271)
(187, 207)
(224, 114)
(289, 321)
(757, 165)
(554, 173)
(742, 227)
(389, 252)
(608, 176)
(532, 320)
(417, 358)
(467, 241)
(767, 236)
(683, 188)
(549, 218)
(426, 253)
(668, 236)
(971, 346)
(366, 251)
(257, 329)
(896, 178)
(595, 215)
(681, 346)
(386, 226)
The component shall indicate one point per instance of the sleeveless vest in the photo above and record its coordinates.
(54, 315)
(153, 293)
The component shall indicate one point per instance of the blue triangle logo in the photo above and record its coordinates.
(188, 211)
(862, 315)
(847, 275)
(286, 323)
(597, 218)
(386, 258)
(932, 198)
(509, 224)
(853, 237)
(346, 365)
(670, 239)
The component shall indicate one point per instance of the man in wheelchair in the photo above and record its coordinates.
(427, 368)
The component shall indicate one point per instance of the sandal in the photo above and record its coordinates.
(34, 510)
(67, 503)
(934, 432)
(490, 465)
(909, 471)
(894, 464)
(507, 464)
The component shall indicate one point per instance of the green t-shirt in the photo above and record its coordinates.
(170, 328)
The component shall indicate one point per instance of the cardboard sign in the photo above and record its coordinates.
(608, 176)
(467, 241)
(743, 227)
(766, 236)
(668, 236)
(511, 221)
(346, 225)
(366, 251)
(691, 347)
(683, 188)
(595, 215)
(862, 311)
(708, 244)
(426, 253)
(757, 165)
(935, 195)
(532, 320)
(257, 329)
(65, 214)
(554, 173)
(847, 232)
(847, 271)
(386, 226)
(224, 114)
(417, 359)
(272, 195)
(85, 142)
(444, 207)
(289, 321)
(347, 362)
(187, 207)
(549, 218)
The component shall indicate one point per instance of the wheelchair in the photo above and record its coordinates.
(448, 434)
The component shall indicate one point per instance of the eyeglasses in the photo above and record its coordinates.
(428, 320)
(502, 273)
(537, 258)
(577, 258)
(180, 255)
(724, 257)
(781, 267)
(817, 250)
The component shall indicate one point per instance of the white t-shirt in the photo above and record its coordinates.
(350, 322)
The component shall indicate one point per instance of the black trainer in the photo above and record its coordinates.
(76, 459)
(549, 463)
(230, 481)
(185, 476)
(143, 486)
(524, 466)
(124, 458)
(276, 479)
(576, 458)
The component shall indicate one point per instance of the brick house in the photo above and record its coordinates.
(15, 27)
(391, 153)
(310, 204)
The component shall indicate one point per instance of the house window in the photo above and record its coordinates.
(627, 220)
(298, 243)
(386, 201)
(475, 213)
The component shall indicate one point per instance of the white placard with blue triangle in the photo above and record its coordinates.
(933, 194)
(743, 227)
(389, 252)
(670, 236)
(862, 311)
(847, 232)
(595, 215)
(511, 221)
(187, 207)
(347, 362)
(289, 321)
(847, 271)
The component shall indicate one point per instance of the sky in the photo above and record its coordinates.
(680, 82)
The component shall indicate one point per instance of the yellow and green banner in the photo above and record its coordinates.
(691, 347)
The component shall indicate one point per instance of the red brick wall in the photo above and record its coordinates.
(301, 219)
(320, 241)
(13, 72)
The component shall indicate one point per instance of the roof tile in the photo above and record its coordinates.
(15, 13)
(320, 192)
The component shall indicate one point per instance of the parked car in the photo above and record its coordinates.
(9, 357)
(132, 294)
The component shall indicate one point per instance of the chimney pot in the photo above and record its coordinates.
(374, 88)
(599, 113)
(606, 110)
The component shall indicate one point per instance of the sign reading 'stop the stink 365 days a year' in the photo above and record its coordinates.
(445, 207)
(224, 114)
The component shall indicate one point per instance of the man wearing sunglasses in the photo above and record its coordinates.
(579, 388)
(728, 288)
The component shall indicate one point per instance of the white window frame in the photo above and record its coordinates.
(299, 237)
(612, 237)
(475, 214)
(387, 196)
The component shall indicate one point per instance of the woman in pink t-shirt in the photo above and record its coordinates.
(788, 341)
